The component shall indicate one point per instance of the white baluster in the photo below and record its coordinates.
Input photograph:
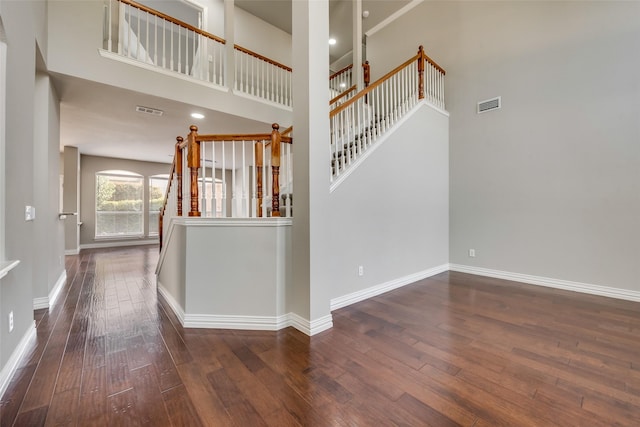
(254, 205)
(214, 190)
(244, 200)
(203, 178)
(234, 201)
(224, 181)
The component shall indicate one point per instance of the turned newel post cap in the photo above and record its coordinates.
(193, 128)
(179, 139)
(275, 126)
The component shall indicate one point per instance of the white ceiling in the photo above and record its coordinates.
(101, 120)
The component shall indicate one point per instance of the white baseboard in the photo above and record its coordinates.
(548, 282)
(72, 251)
(251, 323)
(119, 243)
(48, 301)
(373, 291)
(9, 369)
(178, 311)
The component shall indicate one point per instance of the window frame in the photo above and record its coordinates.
(122, 174)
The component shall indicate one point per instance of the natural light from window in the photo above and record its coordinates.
(157, 188)
(119, 204)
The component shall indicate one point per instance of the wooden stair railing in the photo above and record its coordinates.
(358, 121)
(344, 77)
(188, 153)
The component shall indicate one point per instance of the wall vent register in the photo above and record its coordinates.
(489, 105)
(149, 110)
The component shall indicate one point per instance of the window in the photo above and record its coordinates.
(209, 198)
(119, 204)
(157, 189)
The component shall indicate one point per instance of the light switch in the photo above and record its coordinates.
(29, 213)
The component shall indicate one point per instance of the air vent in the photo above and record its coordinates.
(489, 105)
(149, 110)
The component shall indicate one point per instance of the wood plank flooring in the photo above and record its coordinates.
(451, 350)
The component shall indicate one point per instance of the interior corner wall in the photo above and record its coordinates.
(71, 199)
(548, 185)
(50, 258)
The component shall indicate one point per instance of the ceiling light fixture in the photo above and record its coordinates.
(197, 115)
(332, 41)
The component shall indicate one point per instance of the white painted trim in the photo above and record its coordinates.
(320, 325)
(72, 251)
(175, 307)
(300, 323)
(7, 266)
(55, 292)
(119, 243)
(262, 100)
(373, 291)
(39, 303)
(9, 369)
(378, 142)
(393, 17)
(252, 323)
(586, 288)
(232, 222)
(157, 69)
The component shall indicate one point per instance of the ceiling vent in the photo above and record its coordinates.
(149, 110)
(490, 105)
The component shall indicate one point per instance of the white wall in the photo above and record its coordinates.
(25, 28)
(261, 37)
(550, 184)
(391, 215)
(50, 265)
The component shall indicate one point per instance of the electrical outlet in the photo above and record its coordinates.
(472, 253)
(10, 321)
(360, 270)
(29, 213)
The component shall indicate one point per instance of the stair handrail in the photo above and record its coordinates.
(420, 57)
(345, 93)
(357, 122)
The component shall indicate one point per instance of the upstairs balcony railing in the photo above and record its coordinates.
(147, 36)
(230, 176)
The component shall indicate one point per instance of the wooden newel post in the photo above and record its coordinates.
(160, 227)
(178, 158)
(367, 73)
(275, 170)
(421, 72)
(259, 165)
(193, 162)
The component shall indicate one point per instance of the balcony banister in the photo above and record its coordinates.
(263, 58)
(173, 20)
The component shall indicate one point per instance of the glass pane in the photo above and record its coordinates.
(119, 205)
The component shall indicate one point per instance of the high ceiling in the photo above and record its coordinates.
(101, 120)
(278, 14)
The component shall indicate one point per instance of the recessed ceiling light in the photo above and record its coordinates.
(197, 115)
(332, 41)
(343, 84)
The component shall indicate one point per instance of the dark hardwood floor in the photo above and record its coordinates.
(451, 350)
